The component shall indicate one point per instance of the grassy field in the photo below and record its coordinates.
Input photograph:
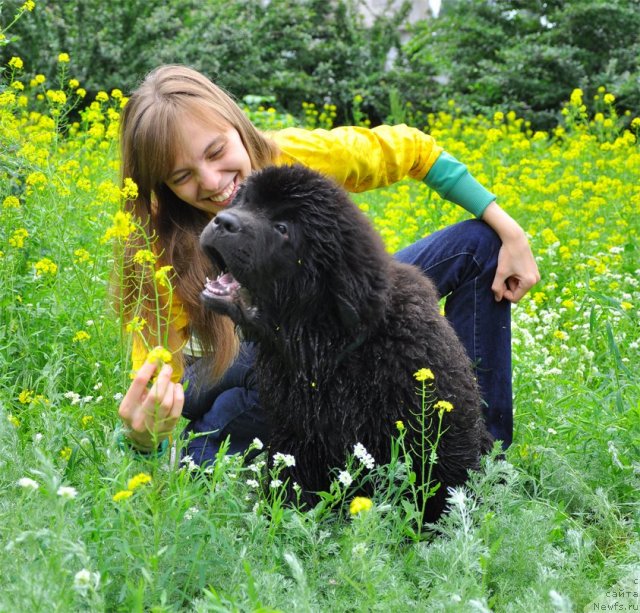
(85, 525)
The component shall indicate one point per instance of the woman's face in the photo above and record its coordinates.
(210, 166)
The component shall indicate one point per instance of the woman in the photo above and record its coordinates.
(187, 145)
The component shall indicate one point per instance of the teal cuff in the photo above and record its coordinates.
(125, 444)
(453, 182)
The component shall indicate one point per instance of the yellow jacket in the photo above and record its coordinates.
(360, 159)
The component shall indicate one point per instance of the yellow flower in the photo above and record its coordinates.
(400, 425)
(136, 324)
(635, 123)
(29, 5)
(122, 495)
(116, 94)
(81, 92)
(13, 420)
(17, 238)
(45, 267)
(144, 255)
(159, 354)
(443, 405)
(17, 85)
(424, 374)
(81, 336)
(25, 397)
(360, 504)
(122, 227)
(65, 453)
(609, 98)
(82, 255)
(39, 79)
(102, 96)
(560, 335)
(74, 83)
(138, 480)
(16, 63)
(86, 420)
(162, 276)
(627, 306)
(11, 202)
(63, 58)
(129, 189)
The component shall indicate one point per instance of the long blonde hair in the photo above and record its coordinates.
(149, 141)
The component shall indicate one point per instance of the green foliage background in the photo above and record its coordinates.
(526, 54)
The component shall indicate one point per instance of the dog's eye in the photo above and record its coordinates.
(282, 228)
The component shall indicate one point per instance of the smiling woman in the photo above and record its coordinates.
(187, 145)
(209, 166)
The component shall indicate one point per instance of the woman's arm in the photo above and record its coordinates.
(517, 270)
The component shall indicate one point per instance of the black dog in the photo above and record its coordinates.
(342, 328)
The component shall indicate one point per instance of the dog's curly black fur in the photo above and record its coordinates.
(342, 328)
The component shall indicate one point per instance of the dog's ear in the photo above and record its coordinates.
(348, 314)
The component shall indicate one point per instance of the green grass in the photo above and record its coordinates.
(550, 529)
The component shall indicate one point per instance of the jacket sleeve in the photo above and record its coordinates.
(360, 158)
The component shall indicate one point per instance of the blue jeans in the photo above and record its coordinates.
(461, 260)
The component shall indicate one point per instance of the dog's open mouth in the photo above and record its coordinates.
(223, 286)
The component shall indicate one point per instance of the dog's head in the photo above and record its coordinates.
(292, 236)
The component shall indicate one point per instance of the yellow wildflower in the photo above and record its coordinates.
(39, 79)
(627, 306)
(635, 123)
(138, 480)
(129, 189)
(11, 202)
(162, 276)
(29, 5)
(45, 267)
(17, 238)
(159, 354)
(116, 94)
(122, 227)
(102, 96)
(136, 324)
(609, 98)
(400, 425)
(13, 420)
(86, 420)
(360, 504)
(16, 63)
(63, 58)
(18, 85)
(81, 336)
(424, 374)
(25, 397)
(65, 453)
(122, 495)
(74, 83)
(81, 255)
(144, 255)
(443, 405)
(81, 92)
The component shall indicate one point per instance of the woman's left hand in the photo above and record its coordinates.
(517, 271)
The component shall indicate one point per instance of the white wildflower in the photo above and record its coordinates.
(363, 455)
(256, 443)
(28, 484)
(252, 483)
(345, 478)
(191, 512)
(283, 458)
(84, 581)
(68, 492)
(275, 483)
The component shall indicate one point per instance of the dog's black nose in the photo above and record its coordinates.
(227, 221)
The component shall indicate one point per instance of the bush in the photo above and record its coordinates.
(295, 50)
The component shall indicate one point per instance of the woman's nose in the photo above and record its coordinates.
(209, 179)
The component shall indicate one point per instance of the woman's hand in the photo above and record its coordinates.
(517, 271)
(151, 413)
